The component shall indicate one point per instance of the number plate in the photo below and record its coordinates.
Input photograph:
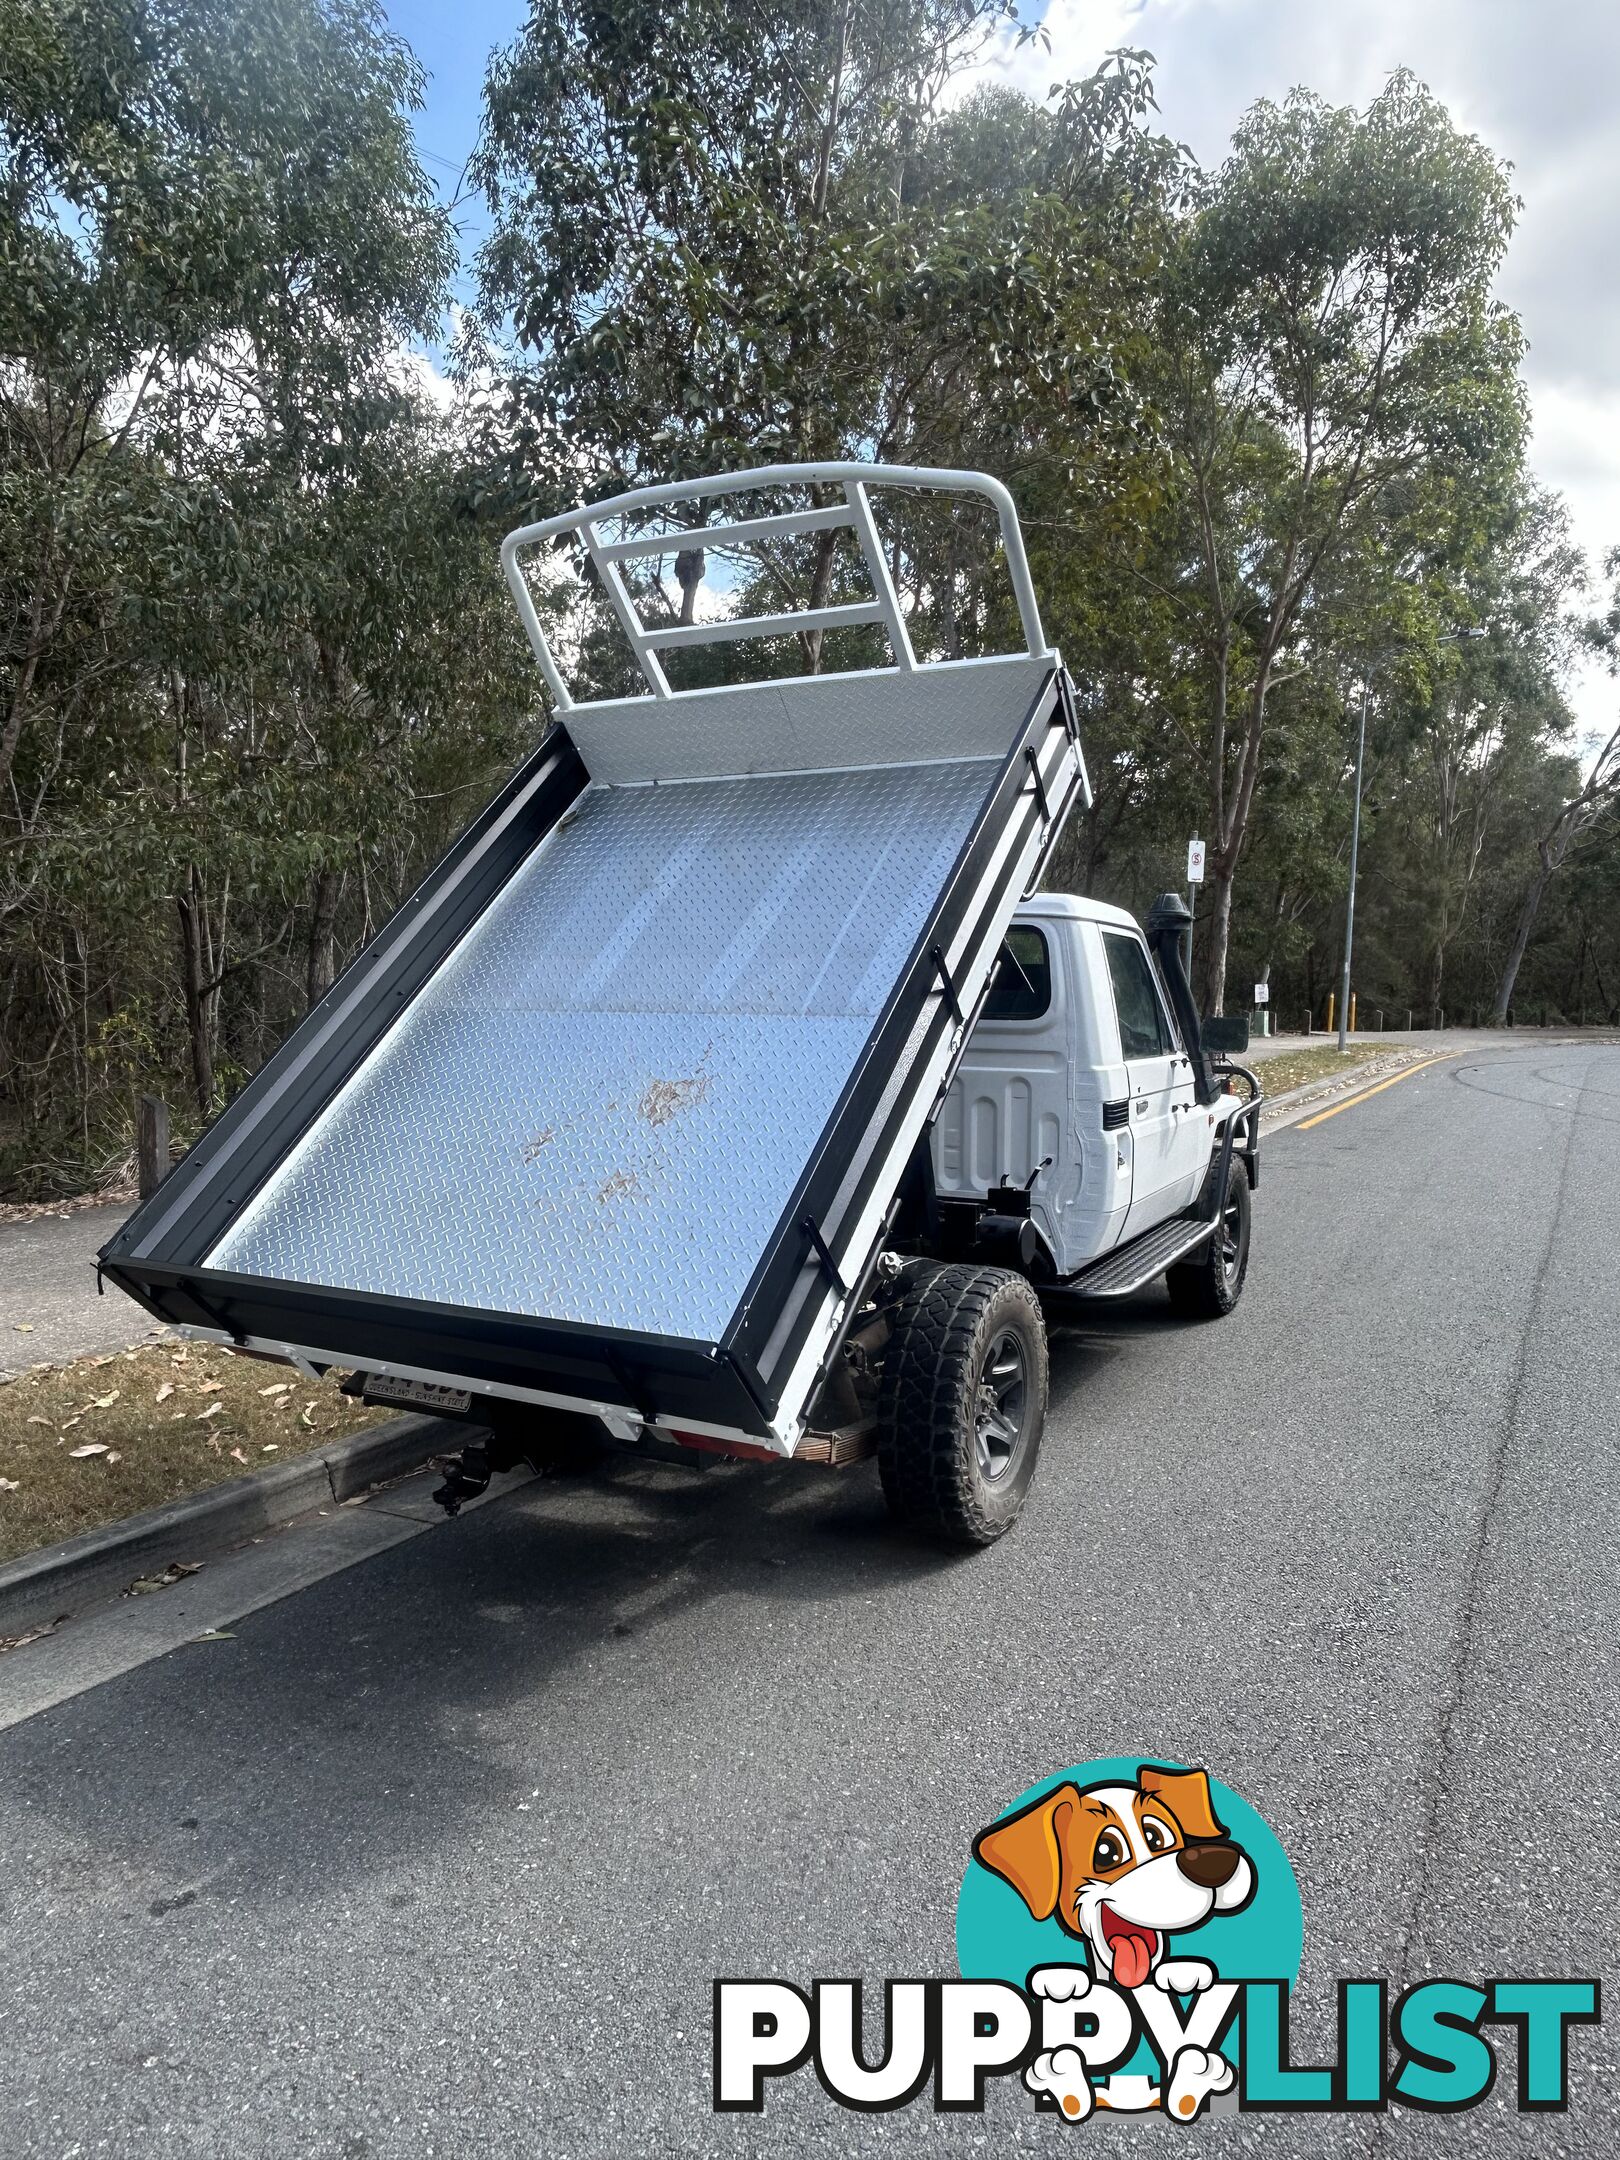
(421, 1394)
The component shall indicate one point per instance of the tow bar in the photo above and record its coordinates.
(465, 1477)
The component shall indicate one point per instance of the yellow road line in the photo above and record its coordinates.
(1367, 1094)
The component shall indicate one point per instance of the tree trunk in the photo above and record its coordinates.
(689, 568)
(195, 974)
(1231, 822)
(40, 633)
(1217, 939)
(820, 586)
(1521, 936)
(321, 970)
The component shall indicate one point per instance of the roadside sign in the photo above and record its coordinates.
(1262, 993)
(1195, 862)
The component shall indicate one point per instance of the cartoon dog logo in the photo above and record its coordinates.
(1122, 1868)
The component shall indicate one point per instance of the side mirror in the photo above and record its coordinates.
(1227, 1034)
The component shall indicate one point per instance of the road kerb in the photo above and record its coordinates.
(64, 1579)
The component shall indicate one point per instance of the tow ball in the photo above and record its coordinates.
(465, 1477)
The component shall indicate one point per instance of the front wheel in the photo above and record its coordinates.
(1207, 1286)
(963, 1403)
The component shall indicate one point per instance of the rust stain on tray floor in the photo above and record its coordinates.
(664, 1097)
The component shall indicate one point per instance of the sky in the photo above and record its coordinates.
(1535, 79)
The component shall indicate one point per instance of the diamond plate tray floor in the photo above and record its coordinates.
(599, 1106)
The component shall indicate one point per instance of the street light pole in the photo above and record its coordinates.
(1355, 851)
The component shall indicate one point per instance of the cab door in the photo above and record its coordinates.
(1161, 1097)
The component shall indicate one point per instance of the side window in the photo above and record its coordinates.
(1143, 1029)
(1021, 988)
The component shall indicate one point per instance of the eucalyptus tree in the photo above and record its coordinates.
(217, 501)
(1326, 331)
(1584, 822)
(726, 237)
(208, 216)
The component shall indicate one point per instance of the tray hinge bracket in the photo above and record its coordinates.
(213, 1312)
(636, 1397)
(1040, 784)
(751, 1377)
(1070, 717)
(812, 1230)
(948, 985)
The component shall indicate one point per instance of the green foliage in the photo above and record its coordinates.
(722, 238)
(256, 661)
(1265, 424)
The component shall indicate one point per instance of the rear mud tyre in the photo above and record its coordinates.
(963, 1404)
(1209, 1285)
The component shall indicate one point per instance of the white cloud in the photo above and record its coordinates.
(1575, 448)
(416, 371)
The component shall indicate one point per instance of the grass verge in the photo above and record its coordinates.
(1294, 1068)
(102, 1438)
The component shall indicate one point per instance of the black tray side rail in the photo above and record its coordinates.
(797, 1273)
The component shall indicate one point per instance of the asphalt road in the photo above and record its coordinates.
(442, 1855)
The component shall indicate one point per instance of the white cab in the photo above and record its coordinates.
(1076, 1057)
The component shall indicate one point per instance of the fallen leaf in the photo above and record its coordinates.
(102, 1402)
(270, 1447)
(39, 1421)
(114, 1456)
(48, 1627)
(25, 1327)
(215, 1409)
(176, 1571)
(217, 1634)
(72, 1421)
(175, 1414)
(165, 1391)
(8, 1484)
(209, 1387)
(237, 1455)
(278, 1387)
(91, 1447)
(107, 1360)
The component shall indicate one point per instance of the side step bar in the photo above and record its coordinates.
(1128, 1267)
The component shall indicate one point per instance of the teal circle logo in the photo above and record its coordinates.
(1122, 1864)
